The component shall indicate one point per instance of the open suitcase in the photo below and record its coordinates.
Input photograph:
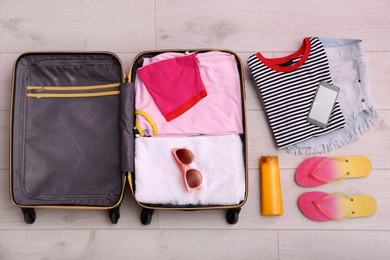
(77, 138)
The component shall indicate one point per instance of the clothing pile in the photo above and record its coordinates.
(190, 100)
(288, 85)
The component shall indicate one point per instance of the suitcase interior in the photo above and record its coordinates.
(149, 208)
(65, 120)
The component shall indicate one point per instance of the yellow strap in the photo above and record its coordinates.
(149, 119)
(65, 95)
(139, 128)
(113, 85)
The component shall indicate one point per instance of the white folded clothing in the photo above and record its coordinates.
(220, 159)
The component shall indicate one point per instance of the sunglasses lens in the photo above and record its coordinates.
(185, 156)
(194, 178)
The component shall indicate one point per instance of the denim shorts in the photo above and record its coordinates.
(348, 70)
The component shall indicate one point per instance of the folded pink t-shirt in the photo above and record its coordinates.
(174, 84)
(218, 113)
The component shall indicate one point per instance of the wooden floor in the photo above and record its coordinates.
(275, 28)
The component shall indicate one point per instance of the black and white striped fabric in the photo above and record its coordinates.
(287, 87)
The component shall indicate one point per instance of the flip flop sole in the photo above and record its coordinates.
(338, 206)
(332, 169)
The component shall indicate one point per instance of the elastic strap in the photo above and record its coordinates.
(149, 119)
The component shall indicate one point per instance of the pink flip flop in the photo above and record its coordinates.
(322, 206)
(319, 170)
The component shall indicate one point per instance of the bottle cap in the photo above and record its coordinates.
(269, 159)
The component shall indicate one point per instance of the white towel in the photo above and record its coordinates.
(219, 158)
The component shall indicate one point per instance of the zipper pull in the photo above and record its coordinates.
(37, 90)
(34, 91)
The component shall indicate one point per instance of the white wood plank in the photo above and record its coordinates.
(4, 140)
(379, 73)
(6, 65)
(27, 244)
(126, 26)
(332, 244)
(196, 244)
(268, 26)
(138, 244)
(375, 143)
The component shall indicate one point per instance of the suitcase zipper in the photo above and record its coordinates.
(73, 91)
(71, 62)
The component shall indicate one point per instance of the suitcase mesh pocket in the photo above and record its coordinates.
(72, 145)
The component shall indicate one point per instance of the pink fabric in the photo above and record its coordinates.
(174, 84)
(218, 113)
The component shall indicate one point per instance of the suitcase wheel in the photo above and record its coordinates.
(232, 215)
(114, 215)
(146, 216)
(29, 215)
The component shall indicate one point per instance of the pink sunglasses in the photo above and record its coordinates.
(192, 177)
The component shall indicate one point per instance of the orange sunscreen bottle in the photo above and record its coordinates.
(271, 189)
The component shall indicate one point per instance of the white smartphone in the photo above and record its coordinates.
(323, 104)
